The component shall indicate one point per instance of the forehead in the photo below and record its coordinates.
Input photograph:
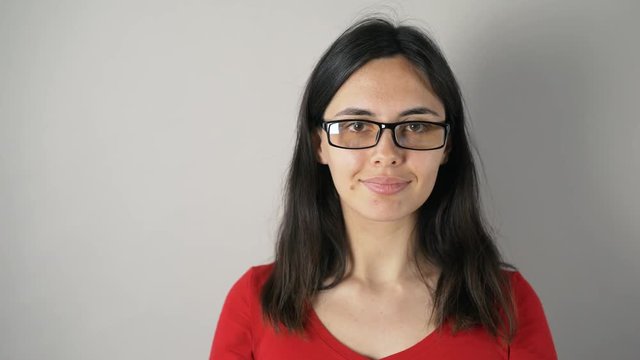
(385, 87)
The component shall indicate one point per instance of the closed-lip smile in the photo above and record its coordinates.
(385, 185)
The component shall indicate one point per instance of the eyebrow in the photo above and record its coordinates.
(413, 111)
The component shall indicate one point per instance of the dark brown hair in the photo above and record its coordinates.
(312, 245)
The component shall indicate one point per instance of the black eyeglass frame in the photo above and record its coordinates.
(391, 126)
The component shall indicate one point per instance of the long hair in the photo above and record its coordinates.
(312, 245)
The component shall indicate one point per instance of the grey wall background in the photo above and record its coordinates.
(127, 209)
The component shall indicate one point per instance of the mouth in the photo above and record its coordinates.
(385, 185)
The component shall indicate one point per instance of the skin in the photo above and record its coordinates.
(380, 227)
(383, 293)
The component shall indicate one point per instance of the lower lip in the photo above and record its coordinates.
(385, 189)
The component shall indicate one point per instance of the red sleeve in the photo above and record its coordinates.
(233, 336)
(533, 339)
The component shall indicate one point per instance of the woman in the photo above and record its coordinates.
(382, 252)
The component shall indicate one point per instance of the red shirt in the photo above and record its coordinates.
(241, 333)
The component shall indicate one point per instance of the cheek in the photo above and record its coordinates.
(426, 170)
(344, 167)
(429, 182)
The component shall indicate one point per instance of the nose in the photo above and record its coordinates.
(386, 152)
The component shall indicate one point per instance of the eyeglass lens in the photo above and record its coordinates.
(362, 134)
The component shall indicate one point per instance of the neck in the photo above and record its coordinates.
(382, 250)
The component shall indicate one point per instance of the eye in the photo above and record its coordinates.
(358, 126)
(416, 127)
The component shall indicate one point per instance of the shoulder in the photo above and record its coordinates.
(260, 273)
(526, 300)
(517, 280)
(533, 339)
(236, 331)
(244, 293)
(523, 292)
(246, 289)
(253, 279)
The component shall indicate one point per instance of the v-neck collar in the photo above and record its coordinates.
(409, 353)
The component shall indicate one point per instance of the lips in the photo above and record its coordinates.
(385, 185)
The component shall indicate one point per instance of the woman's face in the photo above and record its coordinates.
(385, 182)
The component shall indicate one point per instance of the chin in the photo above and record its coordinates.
(385, 215)
(380, 211)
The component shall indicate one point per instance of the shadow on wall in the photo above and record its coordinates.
(555, 131)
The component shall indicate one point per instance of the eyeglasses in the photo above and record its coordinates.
(362, 134)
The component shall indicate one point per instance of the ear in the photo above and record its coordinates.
(447, 151)
(316, 137)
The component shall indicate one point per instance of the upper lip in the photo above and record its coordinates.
(386, 180)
